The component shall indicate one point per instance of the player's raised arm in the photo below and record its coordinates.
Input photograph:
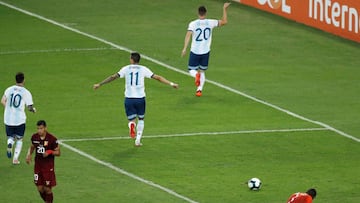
(223, 20)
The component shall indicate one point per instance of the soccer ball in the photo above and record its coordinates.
(254, 184)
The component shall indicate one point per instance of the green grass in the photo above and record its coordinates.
(303, 70)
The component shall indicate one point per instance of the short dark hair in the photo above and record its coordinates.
(202, 10)
(19, 77)
(41, 122)
(311, 192)
(135, 56)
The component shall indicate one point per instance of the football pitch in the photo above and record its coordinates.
(281, 103)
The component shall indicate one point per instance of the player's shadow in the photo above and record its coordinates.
(125, 153)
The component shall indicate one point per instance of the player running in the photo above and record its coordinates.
(15, 99)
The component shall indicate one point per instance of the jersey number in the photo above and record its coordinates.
(40, 150)
(134, 76)
(203, 34)
(15, 100)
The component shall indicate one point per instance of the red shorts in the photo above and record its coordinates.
(47, 178)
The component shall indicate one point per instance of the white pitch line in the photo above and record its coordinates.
(122, 171)
(196, 134)
(55, 50)
(286, 111)
(184, 72)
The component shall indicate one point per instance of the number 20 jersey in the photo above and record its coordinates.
(17, 98)
(41, 145)
(202, 35)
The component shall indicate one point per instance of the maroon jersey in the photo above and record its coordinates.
(50, 142)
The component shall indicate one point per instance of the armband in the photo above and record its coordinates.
(49, 151)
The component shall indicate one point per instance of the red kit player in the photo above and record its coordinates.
(301, 197)
(46, 147)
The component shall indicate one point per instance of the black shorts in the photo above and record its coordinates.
(135, 107)
(15, 131)
(198, 61)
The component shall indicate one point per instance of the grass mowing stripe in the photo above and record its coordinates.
(286, 111)
(183, 72)
(197, 134)
(109, 165)
(54, 50)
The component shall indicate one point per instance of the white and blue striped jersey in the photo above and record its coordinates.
(135, 75)
(17, 98)
(201, 35)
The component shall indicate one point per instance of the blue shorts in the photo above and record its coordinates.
(135, 107)
(15, 131)
(198, 61)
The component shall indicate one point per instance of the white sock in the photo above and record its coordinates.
(10, 140)
(139, 130)
(17, 150)
(202, 80)
(193, 72)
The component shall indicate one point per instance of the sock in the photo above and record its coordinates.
(139, 129)
(193, 72)
(131, 123)
(43, 195)
(10, 141)
(202, 80)
(17, 150)
(49, 198)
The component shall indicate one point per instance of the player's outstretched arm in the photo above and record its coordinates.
(224, 20)
(165, 81)
(107, 80)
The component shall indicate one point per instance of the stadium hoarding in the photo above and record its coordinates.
(339, 17)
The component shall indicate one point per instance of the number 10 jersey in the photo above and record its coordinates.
(17, 97)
